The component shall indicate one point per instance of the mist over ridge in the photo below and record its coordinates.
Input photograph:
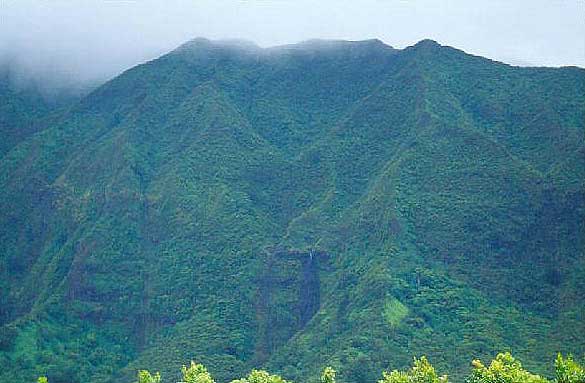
(61, 45)
(68, 79)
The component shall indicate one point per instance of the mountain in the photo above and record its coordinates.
(325, 203)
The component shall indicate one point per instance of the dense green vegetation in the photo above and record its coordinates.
(503, 369)
(325, 203)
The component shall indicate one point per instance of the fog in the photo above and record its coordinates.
(66, 43)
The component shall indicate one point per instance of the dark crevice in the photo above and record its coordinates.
(289, 295)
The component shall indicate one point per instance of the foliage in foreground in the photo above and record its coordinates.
(146, 377)
(568, 370)
(422, 371)
(503, 369)
(260, 376)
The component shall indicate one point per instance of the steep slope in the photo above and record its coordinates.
(329, 202)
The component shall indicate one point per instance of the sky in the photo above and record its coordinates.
(89, 40)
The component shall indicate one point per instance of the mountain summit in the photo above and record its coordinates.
(326, 203)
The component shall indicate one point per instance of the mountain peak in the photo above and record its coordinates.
(427, 44)
(205, 44)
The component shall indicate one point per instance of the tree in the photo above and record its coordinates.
(260, 376)
(328, 375)
(145, 377)
(196, 373)
(421, 372)
(568, 371)
(42, 379)
(503, 369)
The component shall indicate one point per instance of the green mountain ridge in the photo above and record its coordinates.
(326, 203)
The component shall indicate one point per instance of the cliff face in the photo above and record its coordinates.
(289, 295)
